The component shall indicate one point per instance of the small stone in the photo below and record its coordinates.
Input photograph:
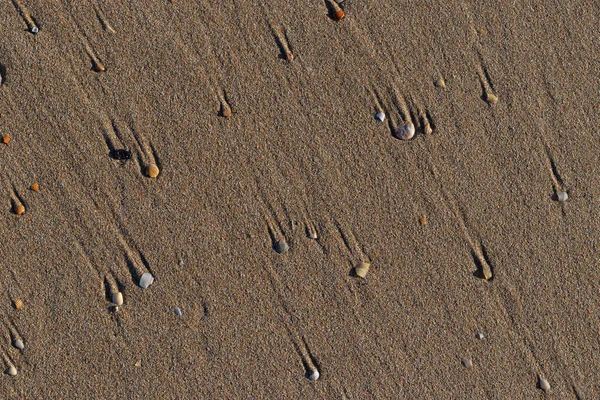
(18, 304)
(35, 187)
(5, 139)
(117, 298)
(405, 132)
(138, 363)
(362, 269)
(480, 336)
(440, 83)
(491, 98)
(19, 344)
(314, 375)
(339, 15)
(225, 110)
(12, 371)
(467, 362)
(35, 30)
(423, 220)
(544, 384)
(312, 235)
(146, 280)
(281, 246)
(380, 116)
(20, 209)
(177, 311)
(152, 171)
(562, 196)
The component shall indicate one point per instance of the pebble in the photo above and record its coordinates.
(146, 280)
(314, 375)
(380, 116)
(423, 220)
(562, 196)
(406, 131)
(20, 209)
(480, 336)
(117, 298)
(281, 246)
(544, 384)
(467, 362)
(19, 344)
(313, 235)
(440, 83)
(18, 304)
(177, 311)
(5, 139)
(35, 187)
(35, 30)
(12, 371)
(491, 98)
(152, 171)
(339, 15)
(226, 110)
(362, 269)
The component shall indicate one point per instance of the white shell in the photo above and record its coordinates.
(19, 344)
(314, 375)
(146, 280)
(480, 336)
(562, 196)
(544, 384)
(117, 298)
(12, 371)
(406, 131)
(380, 116)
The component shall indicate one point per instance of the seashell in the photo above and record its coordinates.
(362, 269)
(117, 298)
(5, 139)
(544, 384)
(312, 235)
(146, 280)
(339, 15)
(427, 128)
(177, 311)
(491, 98)
(480, 336)
(380, 116)
(440, 83)
(12, 371)
(20, 209)
(225, 110)
(467, 362)
(152, 171)
(423, 220)
(314, 375)
(562, 196)
(19, 344)
(405, 132)
(35, 187)
(18, 304)
(281, 246)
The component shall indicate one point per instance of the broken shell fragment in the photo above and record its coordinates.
(380, 116)
(146, 280)
(440, 83)
(117, 298)
(362, 269)
(20, 209)
(405, 132)
(35, 187)
(491, 98)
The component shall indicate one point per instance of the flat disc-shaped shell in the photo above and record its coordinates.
(146, 280)
(405, 132)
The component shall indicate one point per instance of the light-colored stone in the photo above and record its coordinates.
(117, 298)
(146, 280)
(152, 171)
(544, 384)
(19, 344)
(406, 131)
(314, 375)
(562, 196)
(467, 362)
(12, 371)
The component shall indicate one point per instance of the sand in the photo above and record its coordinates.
(260, 117)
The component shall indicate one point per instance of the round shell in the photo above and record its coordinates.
(152, 171)
(117, 298)
(362, 269)
(405, 132)
(146, 280)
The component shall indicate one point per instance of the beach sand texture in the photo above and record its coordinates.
(191, 139)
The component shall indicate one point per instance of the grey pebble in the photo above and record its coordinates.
(281, 246)
(177, 311)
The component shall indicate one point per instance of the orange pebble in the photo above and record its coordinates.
(35, 187)
(423, 220)
(339, 15)
(20, 209)
(18, 304)
(226, 111)
(5, 139)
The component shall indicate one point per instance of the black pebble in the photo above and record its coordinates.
(120, 154)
